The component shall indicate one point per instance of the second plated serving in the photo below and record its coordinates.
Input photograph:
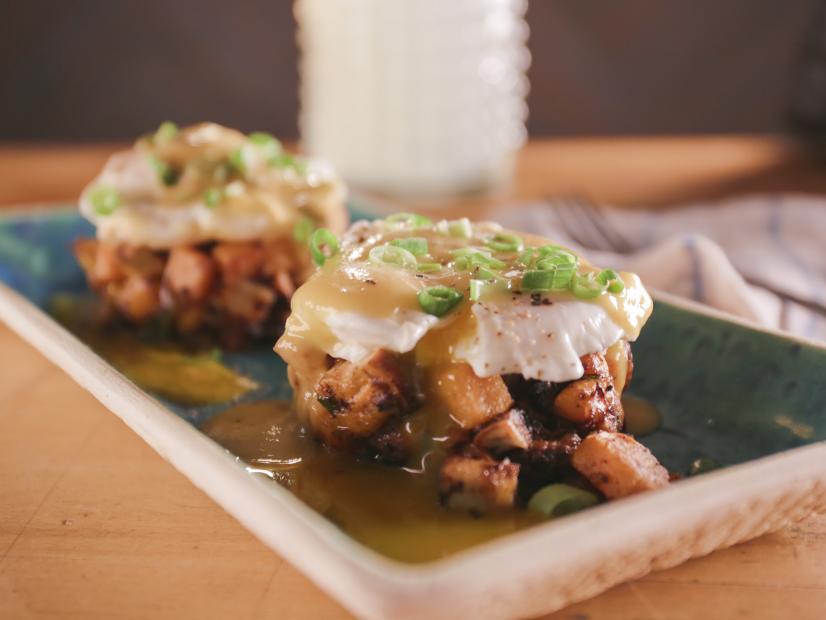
(487, 365)
(206, 226)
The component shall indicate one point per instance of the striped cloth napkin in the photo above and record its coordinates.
(762, 258)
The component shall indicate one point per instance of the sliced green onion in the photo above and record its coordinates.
(612, 279)
(269, 146)
(527, 257)
(323, 246)
(105, 199)
(237, 161)
(558, 500)
(213, 197)
(484, 288)
(167, 175)
(506, 242)
(548, 279)
(476, 288)
(455, 228)
(439, 300)
(587, 286)
(392, 255)
(417, 246)
(412, 220)
(303, 228)
(165, 132)
(428, 267)
(468, 258)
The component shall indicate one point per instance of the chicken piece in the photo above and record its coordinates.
(139, 261)
(238, 261)
(106, 268)
(85, 251)
(470, 400)
(394, 442)
(138, 298)
(504, 433)
(476, 483)
(355, 400)
(618, 465)
(547, 459)
(281, 264)
(591, 403)
(249, 302)
(189, 274)
(620, 364)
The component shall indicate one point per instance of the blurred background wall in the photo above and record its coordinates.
(110, 69)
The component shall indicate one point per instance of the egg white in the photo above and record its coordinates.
(536, 341)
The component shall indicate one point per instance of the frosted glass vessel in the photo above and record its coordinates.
(414, 97)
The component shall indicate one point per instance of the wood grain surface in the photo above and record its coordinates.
(94, 524)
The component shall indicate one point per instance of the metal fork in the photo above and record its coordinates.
(589, 225)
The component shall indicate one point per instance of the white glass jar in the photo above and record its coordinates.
(414, 97)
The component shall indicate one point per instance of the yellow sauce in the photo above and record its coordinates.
(394, 511)
(186, 379)
(641, 416)
(183, 376)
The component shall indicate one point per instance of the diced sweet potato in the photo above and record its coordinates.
(469, 399)
(189, 274)
(618, 465)
(238, 261)
(357, 400)
(138, 298)
(478, 484)
(591, 403)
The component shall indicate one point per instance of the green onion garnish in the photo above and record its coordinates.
(392, 255)
(468, 258)
(587, 286)
(612, 279)
(323, 245)
(166, 173)
(303, 228)
(527, 257)
(411, 220)
(439, 300)
(455, 228)
(165, 132)
(237, 161)
(105, 199)
(548, 279)
(417, 246)
(482, 288)
(428, 267)
(557, 500)
(506, 242)
(269, 146)
(213, 197)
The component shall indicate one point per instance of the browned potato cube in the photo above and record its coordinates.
(470, 400)
(618, 465)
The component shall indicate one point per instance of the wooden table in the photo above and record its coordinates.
(93, 523)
